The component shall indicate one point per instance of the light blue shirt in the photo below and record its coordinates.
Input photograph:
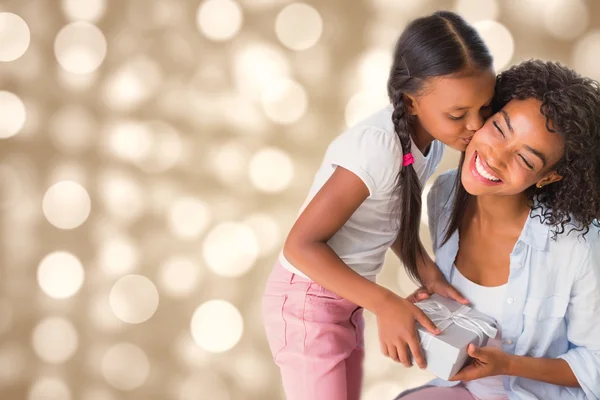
(551, 308)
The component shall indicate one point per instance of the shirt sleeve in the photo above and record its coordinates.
(371, 154)
(583, 324)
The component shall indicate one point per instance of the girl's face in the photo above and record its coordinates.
(451, 109)
(512, 151)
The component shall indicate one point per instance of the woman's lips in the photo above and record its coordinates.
(480, 173)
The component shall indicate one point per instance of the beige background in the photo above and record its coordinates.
(153, 155)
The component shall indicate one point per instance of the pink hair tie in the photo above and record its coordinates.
(407, 160)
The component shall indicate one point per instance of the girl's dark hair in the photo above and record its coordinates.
(437, 45)
(571, 106)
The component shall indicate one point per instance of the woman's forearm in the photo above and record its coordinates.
(321, 264)
(549, 370)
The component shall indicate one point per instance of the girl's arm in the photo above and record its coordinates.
(306, 248)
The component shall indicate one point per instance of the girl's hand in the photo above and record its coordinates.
(487, 361)
(435, 282)
(396, 323)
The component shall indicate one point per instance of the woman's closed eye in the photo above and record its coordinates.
(498, 128)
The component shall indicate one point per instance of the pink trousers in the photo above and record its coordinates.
(316, 338)
(440, 393)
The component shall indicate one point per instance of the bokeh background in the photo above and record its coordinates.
(153, 156)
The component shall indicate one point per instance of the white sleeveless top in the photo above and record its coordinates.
(488, 301)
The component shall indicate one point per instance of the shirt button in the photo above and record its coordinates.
(510, 300)
(508, 341)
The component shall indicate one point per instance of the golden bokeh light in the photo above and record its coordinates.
(83, 10)
(219, 20)
(179, 276)
(230, 249)
(125, 366)
(499, 40)
(134, 299)
(188, 217)
(299, 26)
(60, 275)
(565, 19)
(49, 388)
(12, 114)
(217, 326)
(55, 340)
(66, 205)
(271, 170)
(477, 10)
(80, 48)
(14, 36)
(285, 101)
(586, 54)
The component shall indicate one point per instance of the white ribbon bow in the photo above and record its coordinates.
(442, 317)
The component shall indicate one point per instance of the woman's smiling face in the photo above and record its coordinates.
(512, 151)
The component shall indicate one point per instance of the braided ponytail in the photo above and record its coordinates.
(438, 45)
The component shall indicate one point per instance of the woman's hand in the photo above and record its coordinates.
(487, 361)
(396, 323)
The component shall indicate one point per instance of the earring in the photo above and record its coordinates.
(539, 185)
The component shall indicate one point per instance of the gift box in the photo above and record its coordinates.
(460, 325)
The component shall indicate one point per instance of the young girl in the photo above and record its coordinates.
(366, 198)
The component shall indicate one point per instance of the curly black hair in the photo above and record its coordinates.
(571, 106)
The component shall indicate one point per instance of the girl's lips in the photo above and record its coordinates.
(478, 176)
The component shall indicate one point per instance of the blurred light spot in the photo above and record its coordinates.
(132, 84)
(122, 195)
(363, 104)
(102, 316)
(253, 77)
(410, 8)
(262, 5)
(374, 68)
(527, 13)
(316, 65)
(586, 55)
(72, 128)
(129, 140)
(188, 217)
(271, 170)
(11, 187)
(77, 83)
(384, 390)
(60, 275)
(251, 371)
(97, 393)
(285, 102)
(68, 171)
(6, 316)
(499, 40)
(565, 19)
(83, 10)
(219, 20)
(189, 353)
(299, 26)
(12, 114)
(230, 249)
(80, 47)
(49, 389)
(134, 299)
(13, 362)
(166, 148)
(217, 326)
(55, 340)
(229, 162)
(179, 276)
(267, 231)
(66, 205)
(125, 366)
(118, 256)
(477, 10)
(14, 36)
(383, 35)
(208, 384)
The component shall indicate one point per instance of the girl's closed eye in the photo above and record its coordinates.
(456, 118)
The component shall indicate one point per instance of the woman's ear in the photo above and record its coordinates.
(548, 179)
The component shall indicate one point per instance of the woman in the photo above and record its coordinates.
(523, 206)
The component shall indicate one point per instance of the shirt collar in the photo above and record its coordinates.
(535, 232)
